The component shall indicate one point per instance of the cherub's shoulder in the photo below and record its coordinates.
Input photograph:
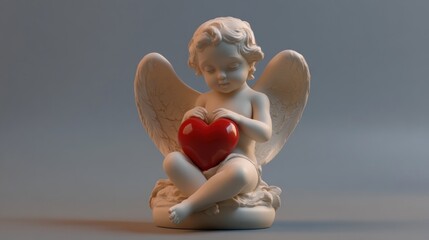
(258, 96)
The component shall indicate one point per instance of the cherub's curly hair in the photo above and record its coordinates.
(230, 30)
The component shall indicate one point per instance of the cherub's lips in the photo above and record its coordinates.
(223, 85)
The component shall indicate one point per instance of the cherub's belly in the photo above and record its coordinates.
(245, 147)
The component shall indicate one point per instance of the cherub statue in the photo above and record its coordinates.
(229, 193)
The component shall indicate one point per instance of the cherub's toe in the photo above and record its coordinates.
(174, 219)
(172, 216)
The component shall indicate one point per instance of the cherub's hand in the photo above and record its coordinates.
(225, 113)
(198, 112)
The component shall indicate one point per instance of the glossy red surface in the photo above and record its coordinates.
(208, 145)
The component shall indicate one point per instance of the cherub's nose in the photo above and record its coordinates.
(221, 75)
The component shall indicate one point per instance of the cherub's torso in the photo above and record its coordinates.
(239, 102)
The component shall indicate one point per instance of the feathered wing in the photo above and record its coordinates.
(286, 82)
(162, 99)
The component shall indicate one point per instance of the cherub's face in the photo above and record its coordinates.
(224, 69)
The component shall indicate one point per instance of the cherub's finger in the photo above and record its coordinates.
(203, 114)
(198, 116)
(219, 110)
(202, 117)
(219, 115)
(215, 113)
(201, 109)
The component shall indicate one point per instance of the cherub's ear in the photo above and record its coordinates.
(250, 75)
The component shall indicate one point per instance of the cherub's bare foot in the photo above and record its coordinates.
(179, 212)
(212, 210)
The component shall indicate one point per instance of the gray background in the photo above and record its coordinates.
(75, 160)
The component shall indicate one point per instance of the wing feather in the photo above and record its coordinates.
(286, 82)
(162, 99)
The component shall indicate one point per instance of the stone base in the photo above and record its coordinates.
(228, 218)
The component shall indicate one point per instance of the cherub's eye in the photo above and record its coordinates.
(208, 69)
(233, 66)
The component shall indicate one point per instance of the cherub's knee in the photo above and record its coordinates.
(240, 175)
(173, 161)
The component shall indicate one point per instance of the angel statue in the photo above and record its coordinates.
(215, 143)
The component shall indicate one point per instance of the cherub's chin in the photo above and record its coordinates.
(224, 88)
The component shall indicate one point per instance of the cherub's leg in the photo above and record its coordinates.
(185, 175)
(238, 175)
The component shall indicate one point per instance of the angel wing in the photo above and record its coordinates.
(286, 82)
(162, 99)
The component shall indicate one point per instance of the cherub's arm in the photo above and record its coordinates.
(259, 127)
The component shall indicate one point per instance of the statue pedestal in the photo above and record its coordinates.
(228, 218)
(245, 211)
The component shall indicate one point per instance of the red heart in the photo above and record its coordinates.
(208, 145)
